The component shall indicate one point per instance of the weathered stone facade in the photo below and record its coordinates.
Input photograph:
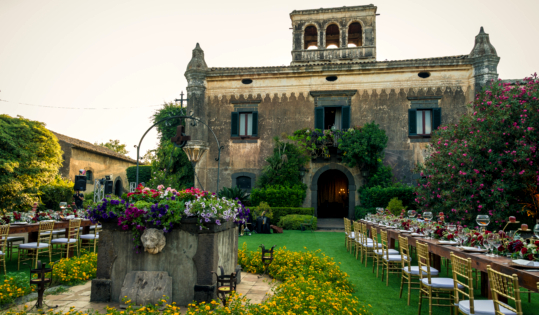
(285, 97)
(100, 161)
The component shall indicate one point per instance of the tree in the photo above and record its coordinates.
(149, 157)
(487, 163)
(29, 158)
(170, 165)
(115, 146)
(283, 166)
(364, 147)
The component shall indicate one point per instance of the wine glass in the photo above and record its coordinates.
(427, 216)
(496, 242)
(63, 205)
(482, 220)
(426, 231)
(536, 230)
(411, 213)
(487, 242)
(380, 211)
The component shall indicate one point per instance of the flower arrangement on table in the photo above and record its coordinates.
(163, 208)
(42, 216)
(517, 249)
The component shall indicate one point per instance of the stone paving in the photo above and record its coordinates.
(254, 288)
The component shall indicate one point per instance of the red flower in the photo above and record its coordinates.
(537, 243)
(530, 257)
(524, 250)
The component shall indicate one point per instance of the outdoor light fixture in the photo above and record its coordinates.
(40, 281)
(365, 173)
(302, 171)
(195, 150)
(267, 257)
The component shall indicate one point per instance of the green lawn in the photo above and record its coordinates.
(384, 300)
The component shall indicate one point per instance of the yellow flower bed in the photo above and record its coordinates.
(13, 286)
(75, 270)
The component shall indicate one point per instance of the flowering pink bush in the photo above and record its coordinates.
(485, 163)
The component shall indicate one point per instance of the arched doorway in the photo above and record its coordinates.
(318, 184)
(118, 189)
(332, 195)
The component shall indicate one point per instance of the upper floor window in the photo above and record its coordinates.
(327, 117)
(333, 36)
(421, 122)
(310, 37)
(244, 124)
(89, 176)
(355, 35)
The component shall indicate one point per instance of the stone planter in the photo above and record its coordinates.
(189, 256)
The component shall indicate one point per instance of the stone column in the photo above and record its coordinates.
(485, 61)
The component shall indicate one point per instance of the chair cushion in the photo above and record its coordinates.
(440, 283)
(45, 233)
(393, 257)
(371, 245)
(351, 235)
(58, 232)
(33, 245)
(415, 271)
(63, 240)
(14, 238)
(1, 253)
(89, 236)
(390, 252)
(482, 307)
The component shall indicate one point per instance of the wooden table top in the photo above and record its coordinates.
(527, 279)
(34, 227)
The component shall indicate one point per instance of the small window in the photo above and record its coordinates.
(333, 36)
(355, 35)
(246, 81)
(243, 182)
(424, 122)
(89, 176)
(246, 124)
(423, 75)
(331, 78)
(310, 37)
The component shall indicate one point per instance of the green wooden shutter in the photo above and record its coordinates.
(412, 122)
(234, 126)
(319, 118)
(255, 124)
(345, 118)
(436, 118)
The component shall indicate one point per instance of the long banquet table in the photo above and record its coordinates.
(526, 278)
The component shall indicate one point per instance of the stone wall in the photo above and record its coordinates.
(189, 256)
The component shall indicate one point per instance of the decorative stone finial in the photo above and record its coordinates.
(153, 241)
(197, 61)
(482, 46)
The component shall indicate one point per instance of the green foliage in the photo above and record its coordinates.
(395, 206)
(279, 196)
(144, 173)
(383, 177)
(88, 199)
(283, 166)
(486, 164)
(60, 189)
(14, 285)
(263, 208)
(364, 147)
(115, 146)
(377, 196)
(293, 221)
(180, 173)
(279, 212)
(314, 143)
(30, 157)
(234, 193)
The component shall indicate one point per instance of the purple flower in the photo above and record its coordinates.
(217, 222)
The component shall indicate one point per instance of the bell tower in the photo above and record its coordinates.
(334, 35)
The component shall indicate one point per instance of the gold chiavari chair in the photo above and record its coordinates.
(91, 239)
(379, 253)
(410, 274)
(31, 251)
(65, 244)
(347, 233)
(390, 263)
(430, 286)
(4, 232)
(357, 238)
(505, 286)
(368, 245)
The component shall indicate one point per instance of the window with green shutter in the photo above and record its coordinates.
(345, 118)
(319, 118)
(422, 122)
(244, 124)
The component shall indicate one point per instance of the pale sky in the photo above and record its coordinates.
(133, 54)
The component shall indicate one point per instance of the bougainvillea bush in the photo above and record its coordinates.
(487, 163)
(163, 208)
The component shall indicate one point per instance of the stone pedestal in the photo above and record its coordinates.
(189, 256)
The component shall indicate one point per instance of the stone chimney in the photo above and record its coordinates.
(485, 60)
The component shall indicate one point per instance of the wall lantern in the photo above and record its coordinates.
(194, 150)
(365, 173)
(302, 171)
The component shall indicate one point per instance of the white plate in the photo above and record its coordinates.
(405, 231)
(418, 235)
(473, 249)
(447, 243)
(19, 223)
(526, 263)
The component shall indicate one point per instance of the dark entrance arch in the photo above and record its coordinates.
(118, 187)
(332, 195)
(315, 189)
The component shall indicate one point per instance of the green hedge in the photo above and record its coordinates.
(60, 189)
(279, 196)
(279, 212)
(144, 173)
(293, 221)
(377, 196)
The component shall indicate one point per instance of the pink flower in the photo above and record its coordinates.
(521, 172)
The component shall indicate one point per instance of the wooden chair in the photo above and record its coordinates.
(367, 244)
(505, 286)
(347, 233)
(409, 273)
(357, 239)
(430, 286)
(90, 240)
(379, 253)
(226, 284)
(65, 244)
(31, 251)
(4, 232)
(390, 263)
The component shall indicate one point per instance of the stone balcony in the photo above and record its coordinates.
(333, 55)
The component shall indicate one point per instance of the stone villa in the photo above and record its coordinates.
(334, 79)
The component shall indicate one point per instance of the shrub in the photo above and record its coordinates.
(279, 196)
(263, 207)
(486, 164)
(88, 200)
(361, 212)
(279, 212)
(15, 284)
(234, 193)
(293, 221)
(379, 197)
(60, 189)
(395, 206)
(364, 147)
(75, 270)
(144, 173)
